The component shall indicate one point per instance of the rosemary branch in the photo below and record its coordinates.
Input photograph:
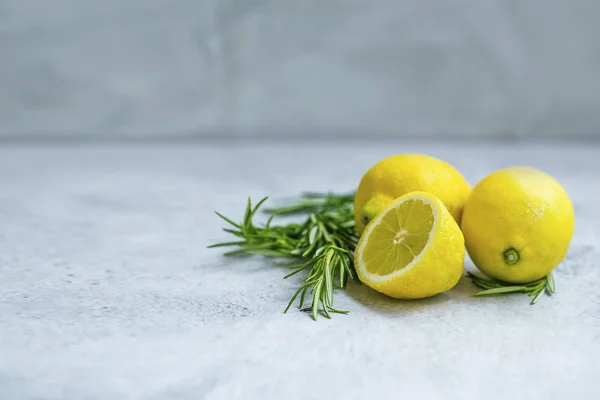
(534, 289)
(323, 244)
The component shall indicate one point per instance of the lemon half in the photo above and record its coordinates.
(413, 249)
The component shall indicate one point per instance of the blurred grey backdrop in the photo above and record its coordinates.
(164, 68)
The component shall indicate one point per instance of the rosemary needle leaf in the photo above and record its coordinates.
(268, 225)
(300, 289)
(308, 263)
(273, 253)
(536, 284)
(260, 203)
(247, 214)
(228, 220)
(313, 235)
(481, 282)
(550, 282)
(328, 281)
(500, 290)
(298, 268)
(246, 251)
(342, 274)
(338, 311)
(315, 302)
(302, 297)
(236, 233)
(537, 296)
(304, 206)
(241, 243)
(484, 285)
(309, 250)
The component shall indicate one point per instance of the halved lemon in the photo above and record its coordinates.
(412, 250)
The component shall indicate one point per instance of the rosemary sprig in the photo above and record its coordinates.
(534, 289)
(311, 202)
(324, 244)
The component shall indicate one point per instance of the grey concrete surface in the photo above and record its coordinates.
(147, 68)
(107, 290)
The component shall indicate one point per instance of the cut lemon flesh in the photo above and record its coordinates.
(412, 249)
(398, 236)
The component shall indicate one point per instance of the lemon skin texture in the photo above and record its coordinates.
(400, 174)
(436, 269)
(518, 223)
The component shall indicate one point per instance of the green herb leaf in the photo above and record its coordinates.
(550, 283)
(228, 220)
(501, 290)
(537, 296)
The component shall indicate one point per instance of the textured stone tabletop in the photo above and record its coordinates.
(107, 289)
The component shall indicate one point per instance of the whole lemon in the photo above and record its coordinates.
(398, 175)
(518, 223)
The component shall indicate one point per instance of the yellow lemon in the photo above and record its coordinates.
(397, 175)
(411, 250)
(518, 224)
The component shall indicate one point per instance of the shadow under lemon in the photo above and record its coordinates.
(381, 303)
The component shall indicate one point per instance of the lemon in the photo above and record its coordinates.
(411, 250)
(404, 173)
(518, 224)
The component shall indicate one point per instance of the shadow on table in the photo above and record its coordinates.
(379, 302)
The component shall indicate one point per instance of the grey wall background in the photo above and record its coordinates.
(147, 68)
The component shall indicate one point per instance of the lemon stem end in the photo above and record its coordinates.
(511, 256)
